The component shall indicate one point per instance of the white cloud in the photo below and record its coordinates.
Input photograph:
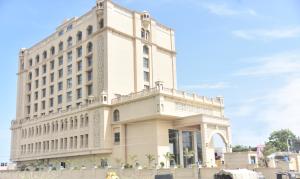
(220, 85)
(268, 34)
(225, 10)
(278, 64)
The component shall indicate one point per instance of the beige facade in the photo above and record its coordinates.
(285, 161)
(104, 86)
(235, 160)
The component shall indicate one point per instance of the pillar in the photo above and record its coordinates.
(181, 148)
(195, 146)
(205, 152)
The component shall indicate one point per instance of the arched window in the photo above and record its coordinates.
(61, 46)
(89, 30)
(70, 39)
(52, 50)
(79, 36)
(44, 54)
(116, 115)
(37, 59)
(147, 35)
(146, 49)
(86, 120)
(89, 47)
(143, 33)
(101, 23)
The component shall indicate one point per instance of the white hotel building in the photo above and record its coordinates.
(104, 86)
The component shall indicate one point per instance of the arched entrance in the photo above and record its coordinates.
(217, 146)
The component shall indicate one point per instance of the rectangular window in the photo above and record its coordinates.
(146, 63)
(52, 64)
(79, 79)
(86, 145)
(44, 92)
(69, 96)
(36, 72)
(60, 61)
(36, 95)
(79, 93)
(52, 77)
(117, 137)
(29, 86)
(30, 62)
(35, 107)
(43, 105)
(79, 52)
(59, 99)
(81, 141)
(89, 61)
(36, 83)
(51, 102)
(146, 76)
(79, 65)
(60, 73)
(60, 86)
(44, 80)
(90, 90)
(69, 83)
(69, 70)
(51, 90)
(69, 57)
(89, 75)
(44, 69)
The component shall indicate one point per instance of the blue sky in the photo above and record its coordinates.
(246, 51)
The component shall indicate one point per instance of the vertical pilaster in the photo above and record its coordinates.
(195, 146)
(205, 152)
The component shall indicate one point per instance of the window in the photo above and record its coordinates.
(51, 90)
(89, 61)
(69, 56)
(60, 86)
(52, 65)
(146, 49)
(89, 75)
(60, 33)
(252, 160)
(146, 63)
(36, 95)
(117, 137)
(37, 59)
(36, 83)
(116, 115)
(101, 23)
(30, 75)
(69, 69)
(35, 107)
(146, 87)
(143, 33)
(89, 47)
(44, 92)
(44, 54)
(60, 61)
(59, 99)
(79, 65)
(79, 52)
(51, 102)
(37, 72)
(29, 86)
(44, 80)
(79, 36)
(52, 77)
(61, 46)
(69, 83)
(60, 73)
(79, 93)
(69, 41)
(69, 96)
(79, 79)
(89, 30)
(70, 27)
(30, 62)
(43, 105)
(146, 76)
(86, 145)
(90, 90)
(52, 50)
(44, 69)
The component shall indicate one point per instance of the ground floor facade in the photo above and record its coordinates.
(154, 128)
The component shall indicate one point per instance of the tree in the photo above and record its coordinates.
(150, 159)
(279, 140)
(240, 148)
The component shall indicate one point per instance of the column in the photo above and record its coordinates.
(205, 152)
(228, 145)
(195, 146)
(181, 148)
